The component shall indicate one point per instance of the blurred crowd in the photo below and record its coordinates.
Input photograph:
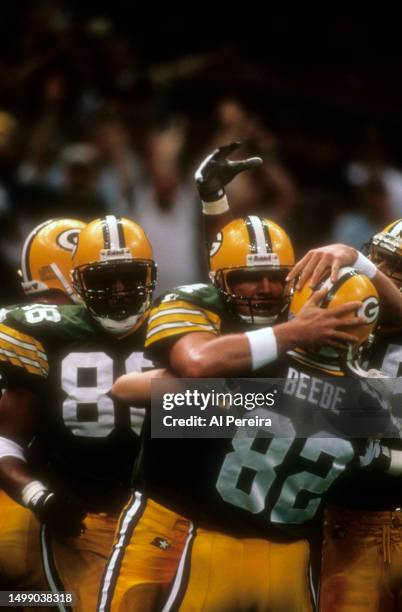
(89, 126)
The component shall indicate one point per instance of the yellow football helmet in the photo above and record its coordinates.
(246, 248)
(387, 246)
(46, 258)
(114, 273)
(350, 286)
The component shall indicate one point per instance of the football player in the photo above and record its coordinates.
(362, 553)
(239, 511)
(200, 329)
(62, 360)
(46, 262)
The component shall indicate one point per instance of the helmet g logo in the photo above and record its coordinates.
(369, 310)
(68, 239)
(216, 245)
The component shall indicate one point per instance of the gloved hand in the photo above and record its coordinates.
(216, 171)
(63, 514)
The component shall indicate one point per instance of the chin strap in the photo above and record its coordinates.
(256, 320)
(118, 328)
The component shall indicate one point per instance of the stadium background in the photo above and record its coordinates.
(106, 108)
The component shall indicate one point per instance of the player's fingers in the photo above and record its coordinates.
(322, 265)
(307, 271)
(335, 270)
(345, 308)
(245, 164)
(335, 344)
(222, 152)
(297, 268)
(343, 336)
(317, 296)
(350, 322)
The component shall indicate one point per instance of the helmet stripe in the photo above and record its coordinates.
(337, 284)
(120, 230)
(251, 235)
(257, 229)
(396, 231)
(113, 232)
(26, 249)
(106, 233)
(268, 241)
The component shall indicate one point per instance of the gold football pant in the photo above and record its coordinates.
(160, 563)
(232, 574)
(362, 561)
(148, 547)
(77, 564)
(20, 558)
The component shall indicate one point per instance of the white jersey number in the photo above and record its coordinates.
(95, 398)
(39, 312)
(265, 465)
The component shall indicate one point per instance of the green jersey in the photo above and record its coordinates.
(87, 440)
(186, 309)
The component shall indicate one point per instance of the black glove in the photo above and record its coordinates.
(216, 171)
(63, 514)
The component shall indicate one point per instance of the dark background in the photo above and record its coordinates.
(317, 95)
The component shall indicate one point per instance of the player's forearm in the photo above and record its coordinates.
(136, 387)
(223, 356)
(15, 475)
(235, 354)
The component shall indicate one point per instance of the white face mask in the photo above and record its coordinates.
(118, 328)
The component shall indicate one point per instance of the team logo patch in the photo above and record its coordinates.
(68, 239)
(369, 310)
(161, 543)
(216, 245)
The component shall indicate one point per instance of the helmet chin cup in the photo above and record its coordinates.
(258, 320)
(118, 328)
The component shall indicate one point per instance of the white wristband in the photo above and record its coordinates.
(215, 208)
(9, 448)
(32, 492)
(395, 467)
(365, 266)
(263, 347)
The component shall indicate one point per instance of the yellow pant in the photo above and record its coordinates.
(229, 574)
(149, 544)
(362, 561)
(160, 563)
(20, 558)
(31, 558)
(77, 564)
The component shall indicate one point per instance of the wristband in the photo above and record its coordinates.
(32, 492)
(218, 207)
(395, 467)
(263, 347)
(365, 266)
(9, 448)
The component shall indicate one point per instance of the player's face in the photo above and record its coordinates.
(117, 291)
(264, 289)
